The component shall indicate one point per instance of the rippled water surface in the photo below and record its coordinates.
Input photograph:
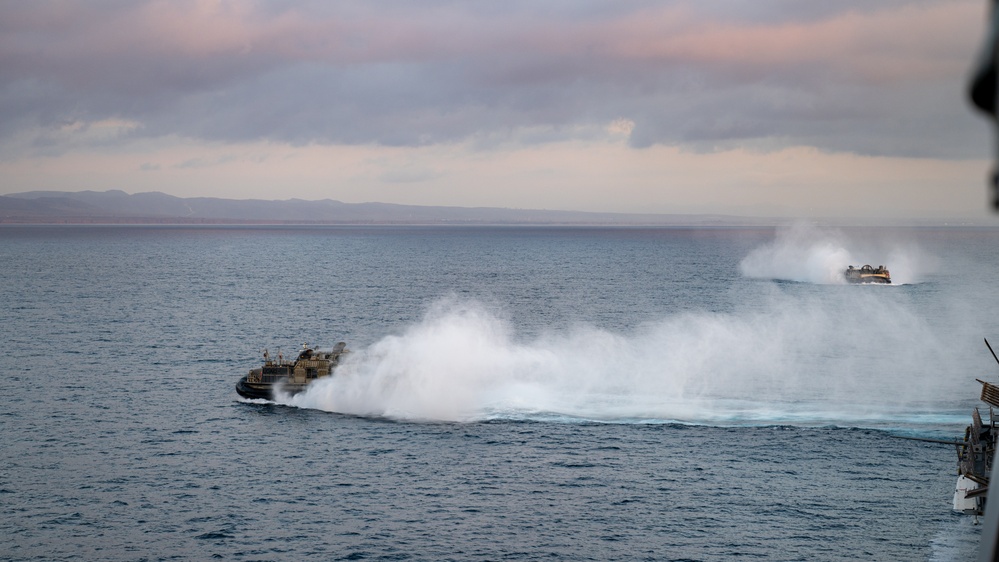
(511, 393)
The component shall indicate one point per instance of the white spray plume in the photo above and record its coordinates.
(809, 254)
(800, 359)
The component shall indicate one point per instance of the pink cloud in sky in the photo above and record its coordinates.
(874, 80)
(912, 39)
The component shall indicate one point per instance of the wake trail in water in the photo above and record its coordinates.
(794, 361)
(809, 254)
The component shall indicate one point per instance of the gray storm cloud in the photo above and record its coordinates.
(866, 78)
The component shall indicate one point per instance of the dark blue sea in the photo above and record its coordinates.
(511, 393)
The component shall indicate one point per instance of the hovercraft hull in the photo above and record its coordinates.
(265, 390)
(871, 279)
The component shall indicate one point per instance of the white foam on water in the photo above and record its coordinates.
(956, 539)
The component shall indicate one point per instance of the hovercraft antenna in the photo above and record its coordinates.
(990, 349)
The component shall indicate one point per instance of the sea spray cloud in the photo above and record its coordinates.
(810, 254)
(833, 358)
(799, 253)
(438, 369)
(910, 263)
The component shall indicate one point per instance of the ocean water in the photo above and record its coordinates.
(512, 393)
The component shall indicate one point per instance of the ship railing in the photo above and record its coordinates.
(314, 363)
(280, 363)
(990, 393)
(256, 376)
(976, 426)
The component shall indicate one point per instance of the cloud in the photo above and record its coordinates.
(872, 79)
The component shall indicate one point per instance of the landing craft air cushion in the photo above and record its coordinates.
(867, 274)
(290, 377)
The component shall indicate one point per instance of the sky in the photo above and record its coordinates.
(763, 108)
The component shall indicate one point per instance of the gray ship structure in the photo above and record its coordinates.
(290, 377)
(975, 454)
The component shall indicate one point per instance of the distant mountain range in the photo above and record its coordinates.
(118, 207)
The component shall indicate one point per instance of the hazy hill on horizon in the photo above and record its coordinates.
(119, 207)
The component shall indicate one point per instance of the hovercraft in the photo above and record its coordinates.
(867, 274)
(290, 377)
